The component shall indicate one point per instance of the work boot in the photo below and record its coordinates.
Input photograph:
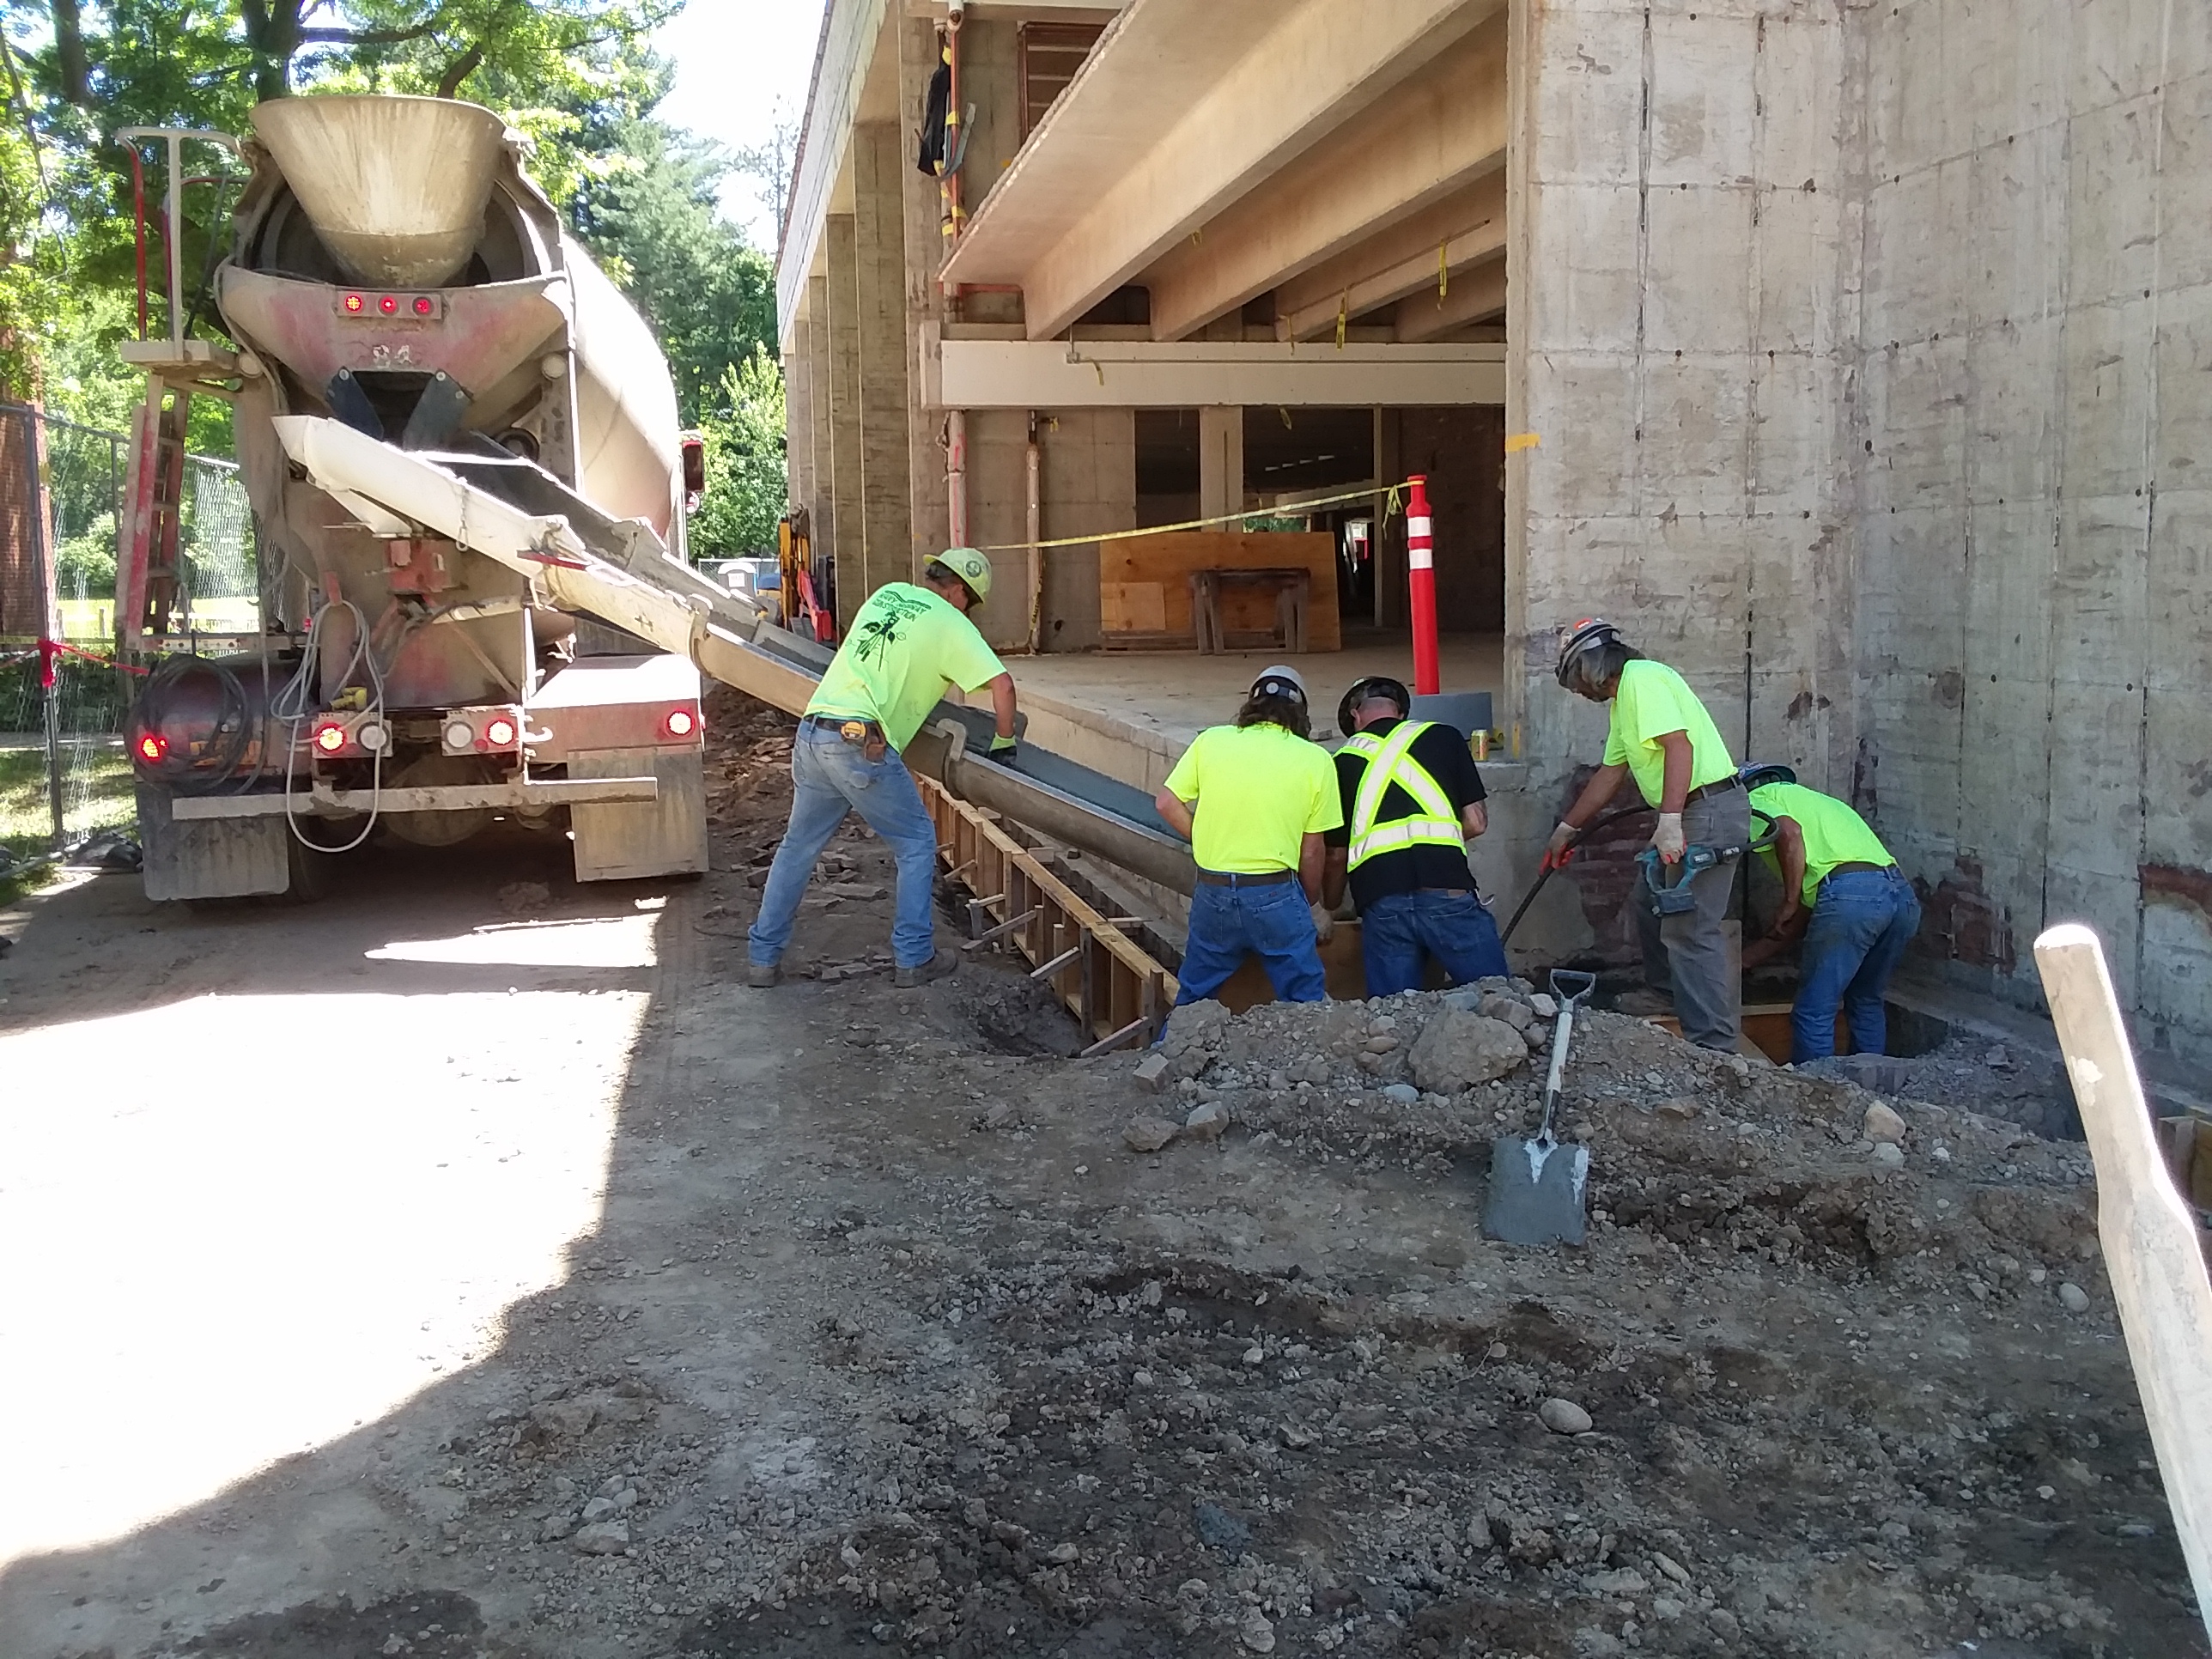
(763, 976)
(936, 968)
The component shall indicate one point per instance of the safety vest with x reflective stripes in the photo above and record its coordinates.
(1390, 760)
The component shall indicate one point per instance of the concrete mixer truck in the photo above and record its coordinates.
(462, 450)
(410, 318)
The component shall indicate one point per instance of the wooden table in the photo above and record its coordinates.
(1293, 593)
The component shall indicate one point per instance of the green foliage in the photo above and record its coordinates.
(744, 495)
(577, 77)
(86, 562)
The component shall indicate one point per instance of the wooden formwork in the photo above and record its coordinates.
(1108, 982)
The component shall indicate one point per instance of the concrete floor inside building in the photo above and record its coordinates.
(1152, 704)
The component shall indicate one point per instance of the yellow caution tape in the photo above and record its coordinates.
(1520, 440)
(1391, 510)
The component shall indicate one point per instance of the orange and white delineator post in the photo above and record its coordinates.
(1421, 583)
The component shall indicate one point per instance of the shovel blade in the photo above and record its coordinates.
(1539, 1191)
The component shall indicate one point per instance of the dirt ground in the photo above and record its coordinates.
(471, 1265)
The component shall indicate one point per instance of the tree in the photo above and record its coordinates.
(744, 432)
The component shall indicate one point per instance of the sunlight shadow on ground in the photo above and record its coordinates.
(285, 1215)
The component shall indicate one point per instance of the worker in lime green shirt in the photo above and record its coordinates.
(1844, 896)
(1663, 737)
(1255, 800)
(908, 645)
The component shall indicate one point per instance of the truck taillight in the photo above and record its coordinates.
(329, 736)
(389, 305)
(680, 723)
(153, 748)
(424, 305)
(356, 304)
(499, 731)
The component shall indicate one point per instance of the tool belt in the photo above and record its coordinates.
(865, 736)
(1718, 787)
(1230, 878)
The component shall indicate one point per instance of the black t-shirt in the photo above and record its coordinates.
(1443, 753)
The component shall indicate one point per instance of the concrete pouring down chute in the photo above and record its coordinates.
(618, 570)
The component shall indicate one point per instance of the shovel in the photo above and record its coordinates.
(1538, 1188)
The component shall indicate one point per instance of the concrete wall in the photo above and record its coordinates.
(1680, 184)
(1865, 357)
(2035, 621)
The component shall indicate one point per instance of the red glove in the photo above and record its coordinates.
(1560, 849)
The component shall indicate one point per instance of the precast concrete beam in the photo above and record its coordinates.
(1473, 296)
(1469, 213)
(1441, 131)
(1187, 108)
(981, 374)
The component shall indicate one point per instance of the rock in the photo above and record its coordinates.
(1149, 1134)
(2073, 1297)
(1151, 1072)
(564, 1420)
(1380, 1045)
(1206, 1122)
(1563, 1417)
(1674, 1569)
(1405, 1094)
(1882, 1123)
(998, 1116)
(1218, 1529)
(607, 1538)
(1664, 1607)
(1887, 1155)
(1459, 1051)
(1544, 1006)
(1194, 1037)
(1256, 1633)
(557, 1527)
(1622, 1581)
(599, 1508)
(1511, 1009)
(1591, 1643)
(1681, 1108)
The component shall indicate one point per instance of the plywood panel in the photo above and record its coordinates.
(1165, 563)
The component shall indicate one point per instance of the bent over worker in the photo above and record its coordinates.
(1254, 800)
(1661, 736)
(907, 644)
(1845, 897)
(1412, 800)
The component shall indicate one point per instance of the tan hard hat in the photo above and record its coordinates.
(970, 566)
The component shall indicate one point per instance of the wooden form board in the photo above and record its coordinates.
(1144, 583)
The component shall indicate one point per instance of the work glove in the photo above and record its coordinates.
(1003, 749)
(1667, 839)
(1324, 920)
(1561, 847)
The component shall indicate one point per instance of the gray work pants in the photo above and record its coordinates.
(1688, 955)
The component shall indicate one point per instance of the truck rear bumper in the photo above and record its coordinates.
(323, 801)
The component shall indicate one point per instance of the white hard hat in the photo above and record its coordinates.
(1279, 680)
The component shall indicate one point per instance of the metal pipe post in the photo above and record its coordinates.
(956, 476)
(1421, 585)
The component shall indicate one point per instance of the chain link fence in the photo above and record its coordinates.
(64, 776)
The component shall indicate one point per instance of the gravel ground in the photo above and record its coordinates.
(877, 1335)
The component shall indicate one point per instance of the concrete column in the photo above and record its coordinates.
(847, 540)
(814, 333)
(927, 504)
(799, 419)
(1220, 461)
(880, 314)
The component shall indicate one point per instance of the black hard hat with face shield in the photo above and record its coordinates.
(1591, 634)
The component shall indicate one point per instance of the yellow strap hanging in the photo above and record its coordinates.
(1343, 317)
(1444, 274)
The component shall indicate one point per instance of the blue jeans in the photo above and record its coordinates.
(1453, 928)
(1271, 922)
(829, 778)
(1861, 922)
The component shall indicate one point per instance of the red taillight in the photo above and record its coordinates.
(389, 305)
(424, 305)
(355, 304)
(153, 748)
(499, 731)
(330, 736)
(680, 723)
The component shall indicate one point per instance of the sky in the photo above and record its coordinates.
(740, 65)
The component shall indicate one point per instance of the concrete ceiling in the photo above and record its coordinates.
(1213, 150)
